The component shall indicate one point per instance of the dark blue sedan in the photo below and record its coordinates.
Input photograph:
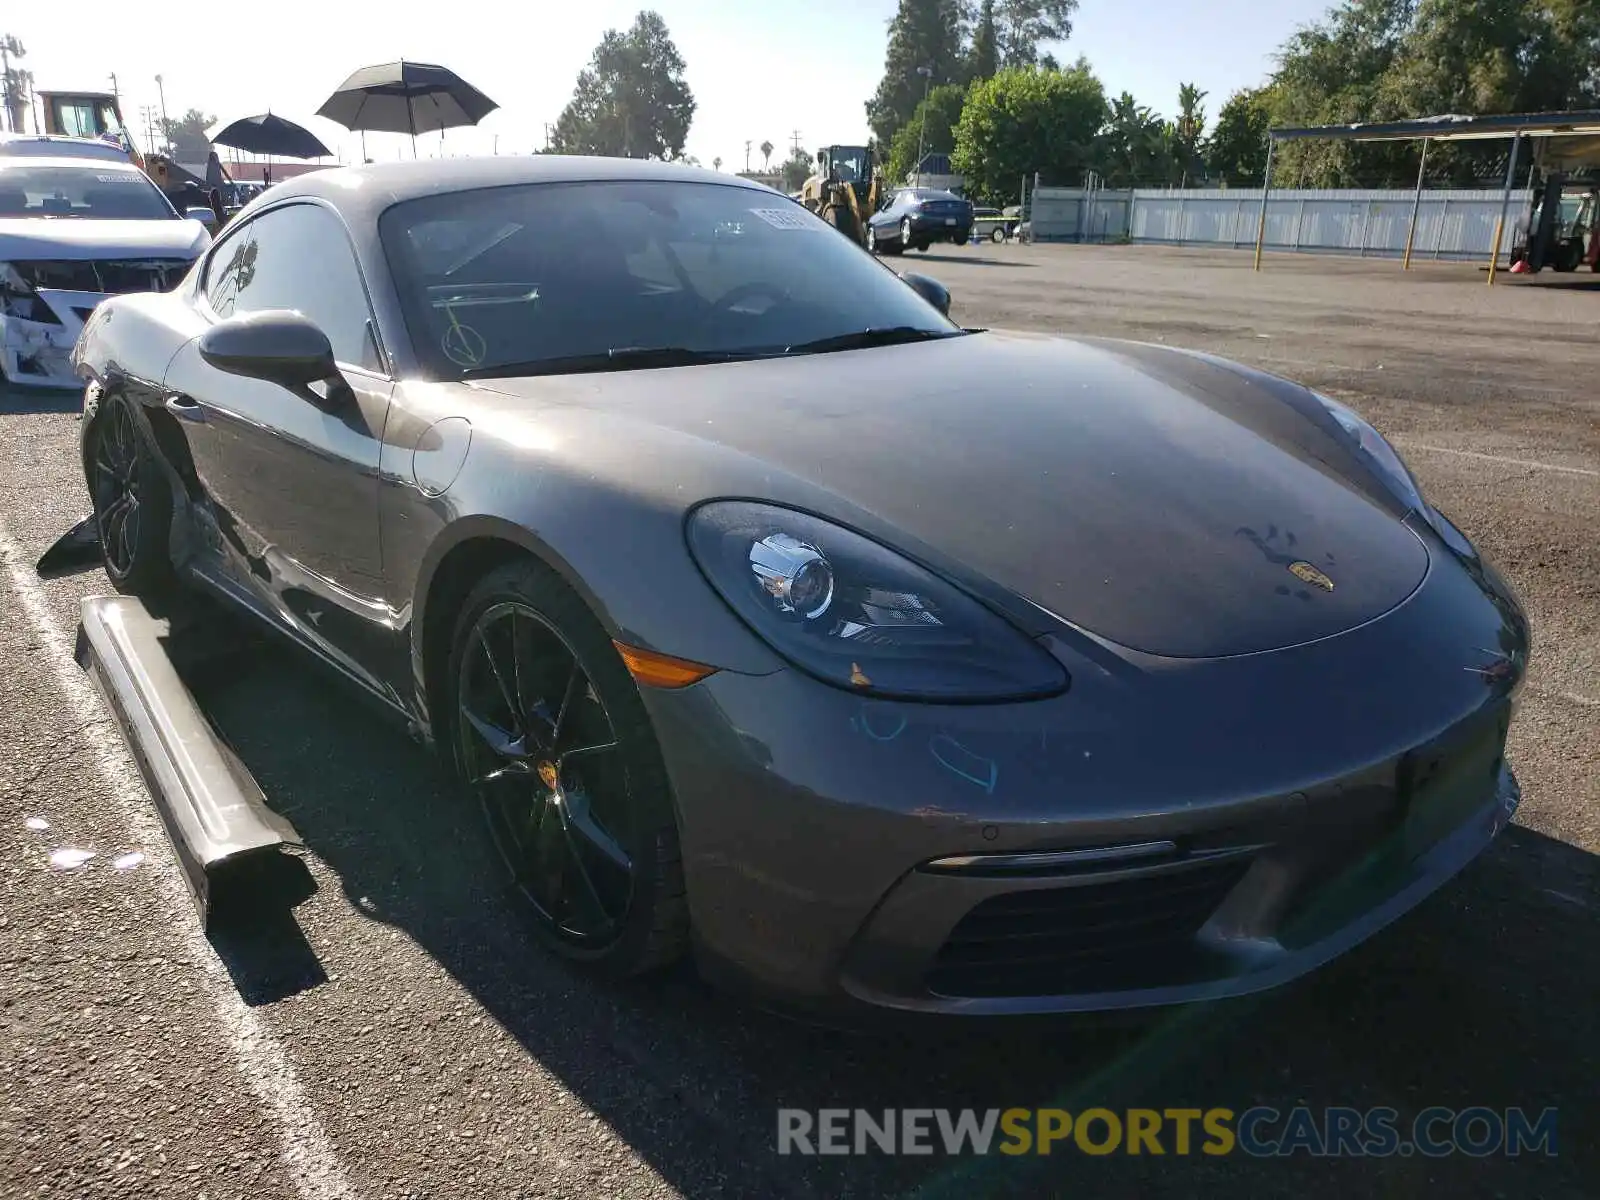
(915, 218)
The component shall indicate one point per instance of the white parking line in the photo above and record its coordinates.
(1407, 444)
(312, 1164)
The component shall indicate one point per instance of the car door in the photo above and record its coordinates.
(885, 221)
(292, 479)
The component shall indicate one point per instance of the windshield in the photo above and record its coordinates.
(849, 163)
(545, 271)
(60, 190)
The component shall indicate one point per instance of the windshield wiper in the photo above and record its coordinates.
(618, 358)
(863, 339)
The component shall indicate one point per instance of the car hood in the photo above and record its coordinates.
(1171, 503)
(31, 238)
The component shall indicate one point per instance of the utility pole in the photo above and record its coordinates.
(794, 144)
(115, 94)
(927, 81)
(11, 99)
(547, 137)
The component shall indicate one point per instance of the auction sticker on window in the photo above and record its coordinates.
(780, 219)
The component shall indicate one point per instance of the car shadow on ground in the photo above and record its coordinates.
(15, 399)
(1484, 996)
(951, 254)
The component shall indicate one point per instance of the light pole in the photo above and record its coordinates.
(166, 125)
(922, 134)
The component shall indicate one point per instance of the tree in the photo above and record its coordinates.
(766, 155)
(1187, 130)
(1026, 120)
(924, 33)
(716, 163)
(1023, 24)
(942, 109)
(186, 135)
(983, 60)
(797, 170)
(631, 101)
(1134, 149)
(1236, 152)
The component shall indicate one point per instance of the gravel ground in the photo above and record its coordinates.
(399, 1035)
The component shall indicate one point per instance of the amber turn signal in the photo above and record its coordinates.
(661, 670)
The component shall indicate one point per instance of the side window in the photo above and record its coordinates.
(295, 257)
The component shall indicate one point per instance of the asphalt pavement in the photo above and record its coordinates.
(396, 1033)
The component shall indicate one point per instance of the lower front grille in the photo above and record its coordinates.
(1124, 933)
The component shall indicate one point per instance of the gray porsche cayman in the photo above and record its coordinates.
(773, 617)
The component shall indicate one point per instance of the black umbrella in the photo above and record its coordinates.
(270, 135)
(406, 97)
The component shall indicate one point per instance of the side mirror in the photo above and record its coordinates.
(279, 346)
(931, 290)
(205, 216)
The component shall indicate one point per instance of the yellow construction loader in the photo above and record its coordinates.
(845, 190)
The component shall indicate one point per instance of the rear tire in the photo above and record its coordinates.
(132, 503)
(561, 825)
(998, 235)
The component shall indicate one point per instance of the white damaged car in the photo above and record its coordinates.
(72, 232)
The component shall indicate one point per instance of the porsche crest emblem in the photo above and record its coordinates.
(1306, 573)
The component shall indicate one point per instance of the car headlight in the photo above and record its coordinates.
(856, 614)
(18, 299)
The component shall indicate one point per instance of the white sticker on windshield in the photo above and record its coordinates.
(780, 218)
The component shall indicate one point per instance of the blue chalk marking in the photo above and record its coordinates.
(976, 762)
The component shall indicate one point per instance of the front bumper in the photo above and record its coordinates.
(39, 354)
(1262, 815)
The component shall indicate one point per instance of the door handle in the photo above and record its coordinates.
(185, 409)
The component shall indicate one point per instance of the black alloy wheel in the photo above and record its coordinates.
(557, 783)
(132, 505)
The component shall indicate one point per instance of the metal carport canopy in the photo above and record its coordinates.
(1454, 127)
(1583, 124)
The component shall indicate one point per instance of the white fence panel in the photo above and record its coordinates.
(1456, 223)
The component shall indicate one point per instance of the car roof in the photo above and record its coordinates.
(62, 162)
(368, 190)
(46, 145)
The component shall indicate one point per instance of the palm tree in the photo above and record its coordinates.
(716, 163)
(1190, 125)
(766, 155)
(1136, 144)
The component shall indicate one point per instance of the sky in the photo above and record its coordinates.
(761, 70)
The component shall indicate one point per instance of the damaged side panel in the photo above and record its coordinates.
(213, 810)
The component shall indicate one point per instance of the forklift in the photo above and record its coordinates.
(1563, 228)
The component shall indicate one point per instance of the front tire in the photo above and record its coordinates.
(872, 240)
(132, 504)
(551, 736)
(843, 220)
